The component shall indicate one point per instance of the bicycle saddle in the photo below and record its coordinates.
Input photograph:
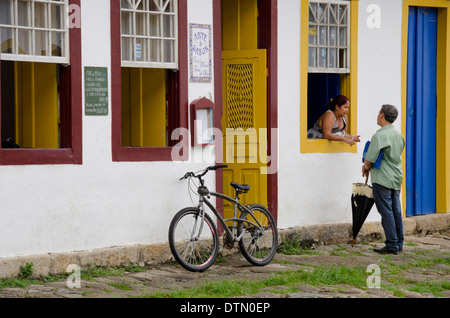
(241, 187)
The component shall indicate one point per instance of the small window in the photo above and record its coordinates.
(146, 41)
(40, 83)
(149, 33)
(329, 37)
(328, 65)
(34, 31)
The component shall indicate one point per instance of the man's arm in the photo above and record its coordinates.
(366, 169)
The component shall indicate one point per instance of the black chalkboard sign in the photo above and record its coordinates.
(96, 91)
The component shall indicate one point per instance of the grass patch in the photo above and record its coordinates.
(120, 285)
(295, 248)
(23, 279)
(229, 288)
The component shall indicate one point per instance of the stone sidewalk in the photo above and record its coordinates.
(169, 276)
(425, 258)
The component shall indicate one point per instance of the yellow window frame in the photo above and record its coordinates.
(443, 97)
(348, 84)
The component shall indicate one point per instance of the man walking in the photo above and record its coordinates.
(387, 180)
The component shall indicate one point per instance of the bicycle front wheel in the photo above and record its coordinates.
(193, 240)
(260, 236)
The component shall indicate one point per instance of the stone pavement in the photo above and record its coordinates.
(425, 258)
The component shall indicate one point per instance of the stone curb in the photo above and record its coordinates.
(53, 263)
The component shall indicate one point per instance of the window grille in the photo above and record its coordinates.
(149, 33)
(329, 36)
(34, 30)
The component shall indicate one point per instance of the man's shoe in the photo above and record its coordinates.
(385, 250)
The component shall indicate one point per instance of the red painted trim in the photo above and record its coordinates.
(120, 153)
(71, 155)
(199, 103)
(218, 93)
(268, 39)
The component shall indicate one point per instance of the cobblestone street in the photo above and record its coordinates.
(424, 261)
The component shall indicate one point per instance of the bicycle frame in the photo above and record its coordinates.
(223, 221)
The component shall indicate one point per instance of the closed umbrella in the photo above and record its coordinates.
(362, 202)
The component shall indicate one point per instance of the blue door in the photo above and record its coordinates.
(421, 112)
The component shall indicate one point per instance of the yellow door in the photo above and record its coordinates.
(244, 124)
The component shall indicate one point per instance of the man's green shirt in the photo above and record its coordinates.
(392, 142)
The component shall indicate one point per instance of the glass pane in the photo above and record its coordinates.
(323, 14)
(57, 43)
(168, 26)
(312, 12)
(155, 25)
(140, 52)
(169, 56)
(40, 15)
(333, 8)
(152, 5)
(332, 58)
(6, 40)
(141, 24)
(343, 14)
(127, 45)
(124, 4)
(126, 23)
(57, 17)
(343, 58)
(333, 36)
(323, 58)
(170, 8)
(5, 12)
(23, 13)
(24, 41)
(312, 57)
(155, 48)
(140, 5)
(312, 35)
(41, 40)
(323, 35)
(342, 36)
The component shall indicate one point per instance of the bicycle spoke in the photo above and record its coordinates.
(193, 240)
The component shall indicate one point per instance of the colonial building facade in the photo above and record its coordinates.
(105, 104)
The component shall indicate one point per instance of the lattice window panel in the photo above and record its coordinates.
(149, 33)
(329, 36)
(35, 31)
(240, 96)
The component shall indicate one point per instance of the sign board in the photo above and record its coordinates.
(96, 91)
(200, 52)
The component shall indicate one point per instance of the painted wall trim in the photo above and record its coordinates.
(443, 96)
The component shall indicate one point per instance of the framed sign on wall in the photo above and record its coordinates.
(200, 53)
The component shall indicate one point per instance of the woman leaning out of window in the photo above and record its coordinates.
(332, 124)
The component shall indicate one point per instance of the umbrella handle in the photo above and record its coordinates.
(367, 178)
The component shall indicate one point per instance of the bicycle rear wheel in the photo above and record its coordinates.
(193, 240)
(259, 243)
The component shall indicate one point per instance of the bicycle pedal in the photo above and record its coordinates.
(228, 241)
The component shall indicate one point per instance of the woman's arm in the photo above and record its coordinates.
(327, 126)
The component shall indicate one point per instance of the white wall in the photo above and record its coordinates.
(56, 208)
(316, 188)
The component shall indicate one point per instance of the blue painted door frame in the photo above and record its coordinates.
(421, 112)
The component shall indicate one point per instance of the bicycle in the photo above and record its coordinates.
(193, 236)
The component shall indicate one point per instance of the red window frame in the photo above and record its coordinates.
(177, 91)
(70, 115)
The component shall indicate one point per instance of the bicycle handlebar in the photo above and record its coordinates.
(203, 172)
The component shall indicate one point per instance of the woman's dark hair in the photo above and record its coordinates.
(337, 101)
